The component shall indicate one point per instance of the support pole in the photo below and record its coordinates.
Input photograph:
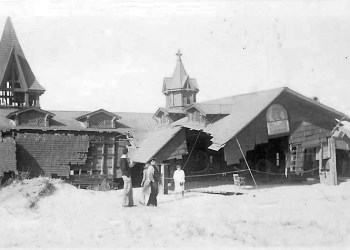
(239, 145)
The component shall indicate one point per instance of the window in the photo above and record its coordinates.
(277, 120)
(188, 100)
(310, 161)
(165, 119)
(276, 112)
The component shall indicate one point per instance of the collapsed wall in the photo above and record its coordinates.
(45, 154)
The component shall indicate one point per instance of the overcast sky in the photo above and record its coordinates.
(115, 54)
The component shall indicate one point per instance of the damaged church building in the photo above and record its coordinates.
(278, 132)
(81, 147)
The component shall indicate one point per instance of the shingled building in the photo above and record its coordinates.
(280, 132)
(77, 145)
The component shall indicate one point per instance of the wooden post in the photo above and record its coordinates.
(164, 172)
(103, 158)
(37, 101)
(320, 160)
(239, 145)
(26, 99)
(333, 163)
(321, 171)
(17, 120)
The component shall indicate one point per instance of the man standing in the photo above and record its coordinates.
(126, 175)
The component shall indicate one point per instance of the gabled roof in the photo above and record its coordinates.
(117, 117)
(244, 109)
(179, 79)
(24, 110)
(9, 44)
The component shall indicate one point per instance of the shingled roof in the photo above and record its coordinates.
(9, 47)
(243, 112)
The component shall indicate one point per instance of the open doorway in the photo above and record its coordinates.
(343, 167)
(269, 158)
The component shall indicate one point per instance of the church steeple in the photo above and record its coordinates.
(180, 90)
(18, 85)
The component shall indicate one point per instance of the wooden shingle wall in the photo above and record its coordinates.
(47, 154)
(307, 135)
(309, 126)
(7, 155)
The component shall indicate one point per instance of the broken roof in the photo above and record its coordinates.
(240, 116)
(9, 45)
(153, 142)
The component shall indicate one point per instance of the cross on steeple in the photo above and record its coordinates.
(179, 54)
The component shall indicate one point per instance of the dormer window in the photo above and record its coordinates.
(197, 118)
(165, 116)
(99, 119)
(32, 117)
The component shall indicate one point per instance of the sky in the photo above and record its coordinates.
(115, 54)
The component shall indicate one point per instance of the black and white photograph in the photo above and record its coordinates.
(159, 124)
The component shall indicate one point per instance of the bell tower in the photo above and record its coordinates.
(180, 90)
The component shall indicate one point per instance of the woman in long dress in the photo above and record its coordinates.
(179, 181)
(153, 175)
(145, 184)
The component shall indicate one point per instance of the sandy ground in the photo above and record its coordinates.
(305, 216)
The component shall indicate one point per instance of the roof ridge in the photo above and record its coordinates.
(250, 93)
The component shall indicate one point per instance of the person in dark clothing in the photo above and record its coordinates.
(126, 175)
(154, 181)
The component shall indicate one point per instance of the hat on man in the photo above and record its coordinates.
(125, 151)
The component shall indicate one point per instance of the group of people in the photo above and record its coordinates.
(149, 183)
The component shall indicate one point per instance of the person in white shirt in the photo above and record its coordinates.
(179, 181)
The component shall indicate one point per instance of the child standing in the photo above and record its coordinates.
(179, 180)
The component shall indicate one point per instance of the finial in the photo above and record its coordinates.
(179, 54)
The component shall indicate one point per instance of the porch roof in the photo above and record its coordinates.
(153, 142)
